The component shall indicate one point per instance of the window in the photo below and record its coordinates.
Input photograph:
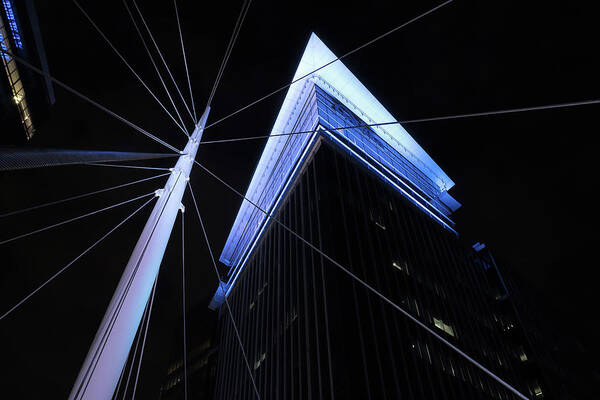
(443, 326)
(402, 266)
(537, 391)
(262, 358)
(377, 219)
(522, 355)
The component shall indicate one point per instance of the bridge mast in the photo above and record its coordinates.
(109, 351)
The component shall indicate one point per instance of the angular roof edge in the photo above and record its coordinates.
(349, 90)
(316, 54)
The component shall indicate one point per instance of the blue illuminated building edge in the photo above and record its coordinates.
(12, 23)
(389, 152)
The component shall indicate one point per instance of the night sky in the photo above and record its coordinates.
(526, 181)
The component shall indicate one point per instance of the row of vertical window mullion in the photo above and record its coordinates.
(474, 275)
(231, 365)
(413, 260)
(236, 316)
(383, 264)
(226, 347)
(316, 297)
(255, 320)
(370, 267)
(268, 334)
(428, 271)
(272, 361)
(277, 315)
(318, 210)
(477, 332)
(307, 257)
(220, 373)
(311, 301)
(423, 230)
(243, 380)
(290, 282)
(300, 247)
(350, 265)
(275, 170)
(460, 319)
(395, 282)
(417, 226)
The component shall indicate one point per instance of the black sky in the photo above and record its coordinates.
(526, 181)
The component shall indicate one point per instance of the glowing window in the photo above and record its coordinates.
(441, 325)
(522, 355)
(401, 266)
(537, 391)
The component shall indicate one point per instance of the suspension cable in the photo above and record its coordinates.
(63, 269)
(127, 166)
(87, 99)
(74, 219)
(331, 62)
(162, 81)
(236, 30)
(137, 374)
(79, 196)
(410, 121)
(137, 343)
(187, 72)
(369, 287)
(116, 393)
(214, 263)
(163, 60)
(87, 16)
(185, 375)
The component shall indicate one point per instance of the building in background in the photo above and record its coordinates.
(24, 95)
(375, 202)
(201, 359)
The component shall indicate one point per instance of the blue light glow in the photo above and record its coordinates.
(257, 238)
(327, 99)
(12, 23)
(394, 184)
(4, 47)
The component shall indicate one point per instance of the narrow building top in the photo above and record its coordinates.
(389, 148)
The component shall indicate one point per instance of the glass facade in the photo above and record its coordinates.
(311, 331)
(377, 204)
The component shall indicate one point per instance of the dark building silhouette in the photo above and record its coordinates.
(201, 358)
(372, 200)
(25, 96)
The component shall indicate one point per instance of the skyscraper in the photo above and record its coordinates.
(356, 284)
(24, 95)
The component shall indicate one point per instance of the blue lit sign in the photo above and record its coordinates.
(12, 23)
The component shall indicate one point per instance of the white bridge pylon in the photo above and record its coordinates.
(99, 375)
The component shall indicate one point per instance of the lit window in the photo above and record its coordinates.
(522, 355)
(443, 326)
(262, 358)
(401, 266)
(537, 391)
(417, 308)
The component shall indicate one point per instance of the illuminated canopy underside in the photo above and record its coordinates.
(330, 98)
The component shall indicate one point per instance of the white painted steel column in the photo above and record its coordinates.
(108, 354)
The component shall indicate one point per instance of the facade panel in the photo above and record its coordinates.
(374, 202)
(311, 331)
